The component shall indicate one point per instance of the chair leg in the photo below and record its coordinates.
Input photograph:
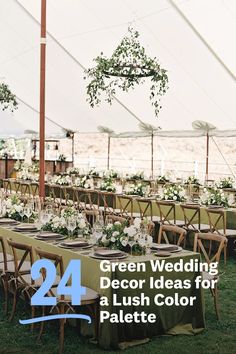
(62, 330)
(225, 254)
(41, 325)
(14, 305)
(5, 291)
(32, 316)
(215, 295)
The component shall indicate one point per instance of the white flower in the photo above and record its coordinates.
(109, 226)
(105, 241)
(8, 204)
(113, 239)
(117, 223)
(130, 231)
(18, 208)
(82, 223)
(137, 223)
(115, 234)
(175, 198)
(124, 242)
(149, 239)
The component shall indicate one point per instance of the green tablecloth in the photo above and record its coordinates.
(172, 320)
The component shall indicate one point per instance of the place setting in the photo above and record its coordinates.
(108, 254)
(164, 250)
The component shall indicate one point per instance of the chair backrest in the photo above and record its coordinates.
(80, 197)
(125, 205)
(217, 220)
(145, 207)
(91, 216)
(215, 242)
(179, 234)
(54, 257)
(3, 250)
(21, 252)
(191, 216)
(93, 199)
(57, 260)
(166, 211)
(106, 200)
(113, 218)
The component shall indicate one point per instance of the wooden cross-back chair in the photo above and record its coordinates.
(93, 199)
(218, 244)
(90, 299)
(4, 259)
(218, 224)
(105, 202)
(25, 189)
(178, 234)
(167, 213)
(125, 205)
(113, 218)
(80, 198)
(192, 218)
(145, 208)
(34, 189)
(6, 184)
(91, 216)
(20, 279)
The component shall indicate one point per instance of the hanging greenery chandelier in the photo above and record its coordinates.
(128, 66)
(7, 98)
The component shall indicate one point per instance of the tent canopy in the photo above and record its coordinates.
(189, 41)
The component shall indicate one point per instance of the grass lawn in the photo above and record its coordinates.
(218, 338)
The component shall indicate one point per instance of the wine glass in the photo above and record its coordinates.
(142, 241)
(28, 211)
(131, 243)
(22, 213)
(71, 226)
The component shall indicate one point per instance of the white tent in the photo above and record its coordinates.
(194, 40)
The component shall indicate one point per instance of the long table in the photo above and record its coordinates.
(170, 320)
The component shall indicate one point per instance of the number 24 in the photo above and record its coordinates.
(75, 290)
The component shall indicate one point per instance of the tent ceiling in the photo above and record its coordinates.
(200, 88)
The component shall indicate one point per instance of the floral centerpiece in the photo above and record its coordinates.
(138, 189)
(162, 179)
(12, 207)
(192, 180)
(93, 173)
(73, 171)
(58, 224)
(227, 182)
(84, 182)
(61, 180)
(214, 196)
(108, 185)
(136, 176)
(173, 192)
(111, 174)
(116, 236)
(17, 166)
(26, 175)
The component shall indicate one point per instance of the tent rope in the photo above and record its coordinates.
(222, 155)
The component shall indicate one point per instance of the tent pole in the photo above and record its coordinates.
(207, 156)
(73, 148)
(42, 100)
(152, 136)
(108, 152)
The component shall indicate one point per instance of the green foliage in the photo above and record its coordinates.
(128, 66)
(7, 98)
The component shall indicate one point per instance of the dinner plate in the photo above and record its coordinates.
(48, 235)
(123, 256)
(166, 247)
(25, 227)
(107, 252)
(8, 221)
(162, 254)
(61, 245)
(50, 239)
